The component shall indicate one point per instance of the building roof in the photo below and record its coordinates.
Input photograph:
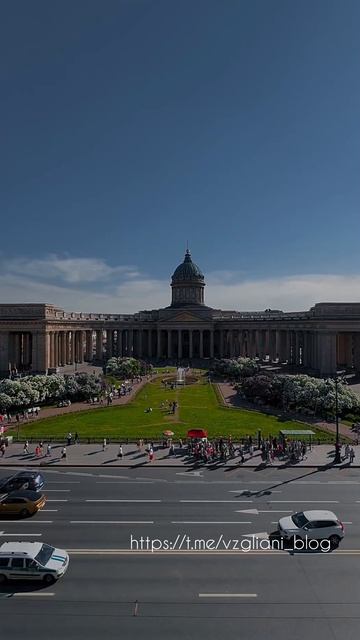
(187, 271)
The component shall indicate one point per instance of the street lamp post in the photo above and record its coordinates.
(337, 458)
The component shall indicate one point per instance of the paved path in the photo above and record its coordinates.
(85, 455)
(49, 412)
(232, 399)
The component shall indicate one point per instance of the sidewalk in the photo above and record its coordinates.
(92, 455)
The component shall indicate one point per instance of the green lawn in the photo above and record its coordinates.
(198, 407)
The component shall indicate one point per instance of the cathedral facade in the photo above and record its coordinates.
(39, 338)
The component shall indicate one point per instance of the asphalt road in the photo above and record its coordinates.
(182, 593)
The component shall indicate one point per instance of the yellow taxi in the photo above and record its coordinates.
(21, 503)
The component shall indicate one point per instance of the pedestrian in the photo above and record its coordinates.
(2, 449)
(41, 450)
(26, 447)
(151, 454)
(48, 450)
(120, 454)
(69, 439)
(37, 451)
(63, 453)
(104, 444)
(351, 455)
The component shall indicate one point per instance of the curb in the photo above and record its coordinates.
(192, 467)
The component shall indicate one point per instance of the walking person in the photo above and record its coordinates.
(2, 449)
(120, 454)
(351, 455)
(104, 444)
(151, 454)
(76, 438)
(48, 450)
(63, 453)
(26, 447)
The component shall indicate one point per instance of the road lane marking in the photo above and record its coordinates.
(56, 500)
(222, 501)
(58, 490)
(101, 475)
(34, 594)
(228, 595)
(36, 535)
(208, 522)
(111, 521)
(312, 501)
(252, 491)
(76, 473)
(26, 521)
(49, 510)
(264, 552)
(63, 481)
(126, 482)
(106, 500)
(256, 512)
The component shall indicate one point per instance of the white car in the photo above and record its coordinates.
(32, 561)
(314, 525)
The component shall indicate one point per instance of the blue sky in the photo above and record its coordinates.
(131, 126)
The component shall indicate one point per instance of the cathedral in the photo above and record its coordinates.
(40, 338)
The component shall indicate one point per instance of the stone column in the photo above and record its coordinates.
(232, 346)
(119, 343)
(130, 343)
(99, 344)
(109, 343)
(69, 359)
(81, 346)
(201, 348)
(56, 349)
(4, 352)
(179, 344)
(39, 352)
(326, 353)
(221, 342)
(298, 341)
(272, 345)
(169, 354)
(149, 343)
(89, 346)
(140, 343)
(211, 343)
(356, 343)
(63, 349)
(191, 343)
(158, 346)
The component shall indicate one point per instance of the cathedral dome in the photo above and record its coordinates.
(187, 271)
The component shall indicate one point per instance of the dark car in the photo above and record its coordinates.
(23, 480)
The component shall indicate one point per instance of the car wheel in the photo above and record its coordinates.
(334, 541)
(48, 578)
(3, 578)
(24, 513)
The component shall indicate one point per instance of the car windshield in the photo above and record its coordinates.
(300, 519)
(44, 554)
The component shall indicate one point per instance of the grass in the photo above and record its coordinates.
(199, 406)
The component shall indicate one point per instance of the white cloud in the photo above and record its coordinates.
(88, 284)
(70, 270)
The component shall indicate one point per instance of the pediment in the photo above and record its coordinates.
(185, 317)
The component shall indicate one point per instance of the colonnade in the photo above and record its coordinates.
(320, 350)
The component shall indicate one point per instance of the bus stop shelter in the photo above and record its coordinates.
(297, 434)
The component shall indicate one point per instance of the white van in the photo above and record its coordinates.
(32, 561)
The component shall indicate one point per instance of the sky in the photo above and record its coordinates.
(131, 127)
